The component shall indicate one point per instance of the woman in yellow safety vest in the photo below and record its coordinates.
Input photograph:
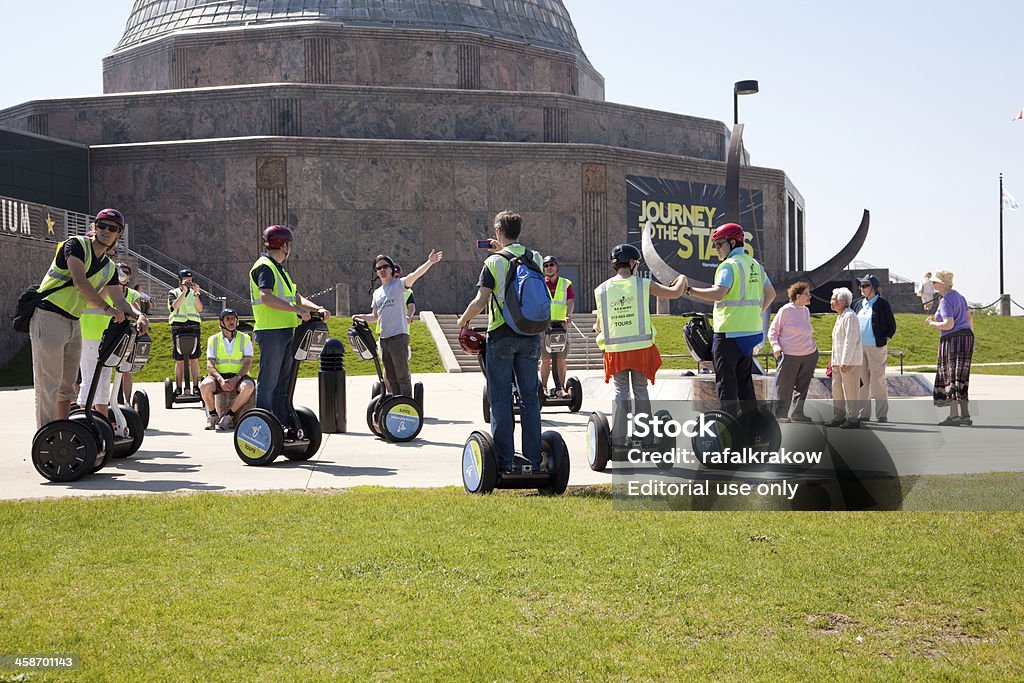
(626, 332)
(93, 322)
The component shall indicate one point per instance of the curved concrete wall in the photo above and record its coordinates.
(319, 53)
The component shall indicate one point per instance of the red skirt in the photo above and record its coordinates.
(646, 361)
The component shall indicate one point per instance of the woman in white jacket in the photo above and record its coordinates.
(847, 361)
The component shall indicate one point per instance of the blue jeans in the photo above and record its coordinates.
(275, 372)
(514, 359)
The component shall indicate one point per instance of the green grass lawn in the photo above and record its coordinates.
(997, 340)
(404, 584)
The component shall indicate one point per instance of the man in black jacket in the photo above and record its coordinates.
(877, 327)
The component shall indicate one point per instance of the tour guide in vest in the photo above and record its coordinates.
(389, 310)
(79, 275)
(184, 307)
(742, 291)
(93, 322)
(228, 361)
(563, 301)
(510, 357)
(277, 307)
(625, 332)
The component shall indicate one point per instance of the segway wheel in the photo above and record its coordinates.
(64, 450)
(258, 437)
(575, 389)
(136, 433)
(479, 463)
(140, 402)
(553, 448)
(761, 429)
(667, 442)
(599, 442)
(105, 442)
(377, 390)
(487, 407)
(417, 393)
(399, 419)
(310, 430)
(728, 434)
(168, 394)
(371, 412)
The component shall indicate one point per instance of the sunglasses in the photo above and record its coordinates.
(550, 265)
(380, 268)
(108, 227)
(719, 243)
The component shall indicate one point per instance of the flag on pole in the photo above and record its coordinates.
(1019, 116)
(1009, 202)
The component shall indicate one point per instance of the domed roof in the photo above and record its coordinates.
(537, 22)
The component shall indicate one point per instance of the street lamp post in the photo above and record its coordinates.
(741, 88)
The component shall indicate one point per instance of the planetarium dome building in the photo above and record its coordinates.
(395, 126)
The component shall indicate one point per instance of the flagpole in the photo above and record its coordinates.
(1002, 290)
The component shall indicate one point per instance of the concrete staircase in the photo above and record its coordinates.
(583, 351)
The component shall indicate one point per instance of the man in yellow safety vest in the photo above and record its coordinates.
(228, 361)
(79, 275)
(277, 307)
(563, 301)
(741, 293)
(184, 305)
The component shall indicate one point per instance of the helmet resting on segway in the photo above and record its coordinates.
(472, 341)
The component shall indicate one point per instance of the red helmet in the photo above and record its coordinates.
(276, 236)
(472, 341)
(110, 216)
(729, 231)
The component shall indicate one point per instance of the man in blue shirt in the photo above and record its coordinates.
(877, 327)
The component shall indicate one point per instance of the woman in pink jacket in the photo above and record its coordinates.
(796, 354)
(847, 361)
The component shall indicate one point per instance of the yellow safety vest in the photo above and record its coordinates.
(268, 318)
(560, 300)
(232, 362)
(94, 321)
(623, 305)
(186, 312)
(498, 265)
(69, 299)
(740, 310)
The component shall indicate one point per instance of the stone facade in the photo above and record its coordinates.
(345, 55)
(369, 113)
(207, 201)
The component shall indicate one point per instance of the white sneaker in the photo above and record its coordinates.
(226, 424)
(211, 420)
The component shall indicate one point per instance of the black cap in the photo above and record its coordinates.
(869, 280)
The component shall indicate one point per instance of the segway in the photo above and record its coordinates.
(67, 450)
(259, 437)
(185, 345)
(698, 336)
(129, 424)
(139, 402)
(556, 338)
(757, 429)
(480, 466)
(601, 448)
(397, 419)
(515, 388)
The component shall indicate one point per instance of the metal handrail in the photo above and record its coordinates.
(149, 265)
(216, 290)
(586, 347)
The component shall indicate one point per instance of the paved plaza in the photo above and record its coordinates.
(178, 455)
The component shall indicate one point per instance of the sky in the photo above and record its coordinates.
(902, 107)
